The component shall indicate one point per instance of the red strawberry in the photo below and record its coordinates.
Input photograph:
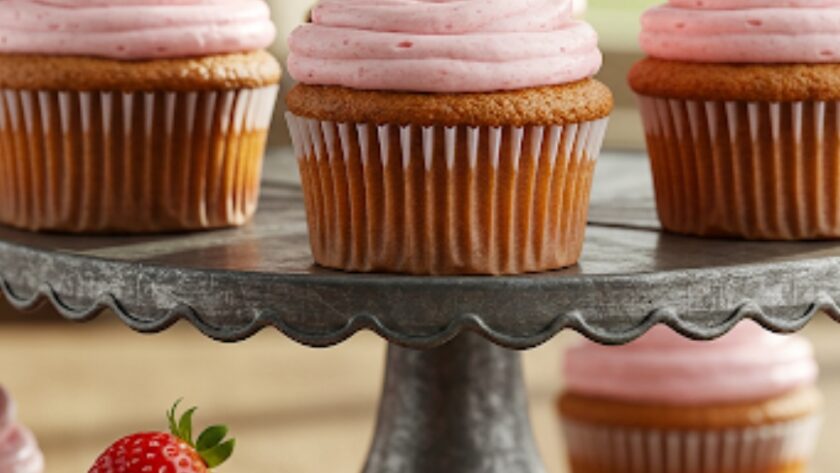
(174, 452)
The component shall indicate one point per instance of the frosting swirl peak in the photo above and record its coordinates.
(744, 31)
(19, 451)
(443, 45)
(134, 29)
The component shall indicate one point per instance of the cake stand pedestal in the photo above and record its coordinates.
(461, 407)
(453, 399)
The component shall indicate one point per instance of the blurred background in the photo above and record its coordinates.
(293, 409)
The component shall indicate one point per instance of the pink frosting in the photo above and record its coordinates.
(663, 367)
(19, 452)
(744, 31)
(443, 45)
(134, 29)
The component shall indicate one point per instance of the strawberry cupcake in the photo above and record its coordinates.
(746, 403)
(739, 100)
(19, 452)
(446, 137)
(133, 115)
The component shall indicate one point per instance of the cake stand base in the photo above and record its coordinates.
(460, 408)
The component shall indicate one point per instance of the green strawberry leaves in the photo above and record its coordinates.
(211, 437)
(170, 416)
(211, 444)
(185, 426)
(217, 454)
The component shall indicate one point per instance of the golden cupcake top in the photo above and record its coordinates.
(579, 102)
(231, 71)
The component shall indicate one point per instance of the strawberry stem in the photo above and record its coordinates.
(211, 444)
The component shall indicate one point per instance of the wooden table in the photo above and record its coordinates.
(297, 410)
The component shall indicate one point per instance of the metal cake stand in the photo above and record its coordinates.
(453, 399)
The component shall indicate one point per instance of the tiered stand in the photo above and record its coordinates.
(453, 400)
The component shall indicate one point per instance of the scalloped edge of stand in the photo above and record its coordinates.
(473, 323)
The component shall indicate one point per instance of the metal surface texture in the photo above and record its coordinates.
(460, 408)
(232, 283)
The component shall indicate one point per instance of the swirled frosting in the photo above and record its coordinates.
(443, 45)
(746, 365)
(744, 31)
(134, 29)
(19, 451)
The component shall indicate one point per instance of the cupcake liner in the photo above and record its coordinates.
(107, 161)
(757, 170)
(778, 448)
(446, 200)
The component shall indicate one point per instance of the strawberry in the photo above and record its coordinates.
(173, 452)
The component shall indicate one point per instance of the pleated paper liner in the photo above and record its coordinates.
(446, 200)
(778, 448)
(765, 171)
(91, 162)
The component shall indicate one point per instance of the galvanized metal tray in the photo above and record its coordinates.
(232, 283)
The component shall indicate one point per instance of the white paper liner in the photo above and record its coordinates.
(758, 170)
(142, 161)
(446, 200)
(580, 141)
(758, 449)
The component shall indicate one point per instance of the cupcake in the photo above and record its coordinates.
(446, 137)
(746, 403)
(133, 116)
(19, 452)
(739, 103)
